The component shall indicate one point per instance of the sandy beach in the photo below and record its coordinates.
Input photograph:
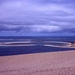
(51, 63)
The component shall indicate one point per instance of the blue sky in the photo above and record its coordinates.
(37, 17)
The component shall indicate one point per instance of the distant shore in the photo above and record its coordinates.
(51, 63)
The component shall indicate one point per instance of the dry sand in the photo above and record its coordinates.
(53, 63)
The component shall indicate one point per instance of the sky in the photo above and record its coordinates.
(37, 17)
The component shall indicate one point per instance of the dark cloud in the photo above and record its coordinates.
(37, 16)
(10, 28)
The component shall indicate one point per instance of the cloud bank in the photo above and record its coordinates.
(41, 16)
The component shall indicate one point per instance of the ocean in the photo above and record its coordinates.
(28, 45)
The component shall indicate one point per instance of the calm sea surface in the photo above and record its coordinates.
(38, 45)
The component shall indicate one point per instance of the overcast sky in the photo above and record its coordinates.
(37, 17)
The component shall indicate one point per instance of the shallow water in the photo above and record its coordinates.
(22, 45)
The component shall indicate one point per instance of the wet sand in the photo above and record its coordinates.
(51, 63)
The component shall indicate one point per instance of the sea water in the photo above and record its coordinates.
(38, 44)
